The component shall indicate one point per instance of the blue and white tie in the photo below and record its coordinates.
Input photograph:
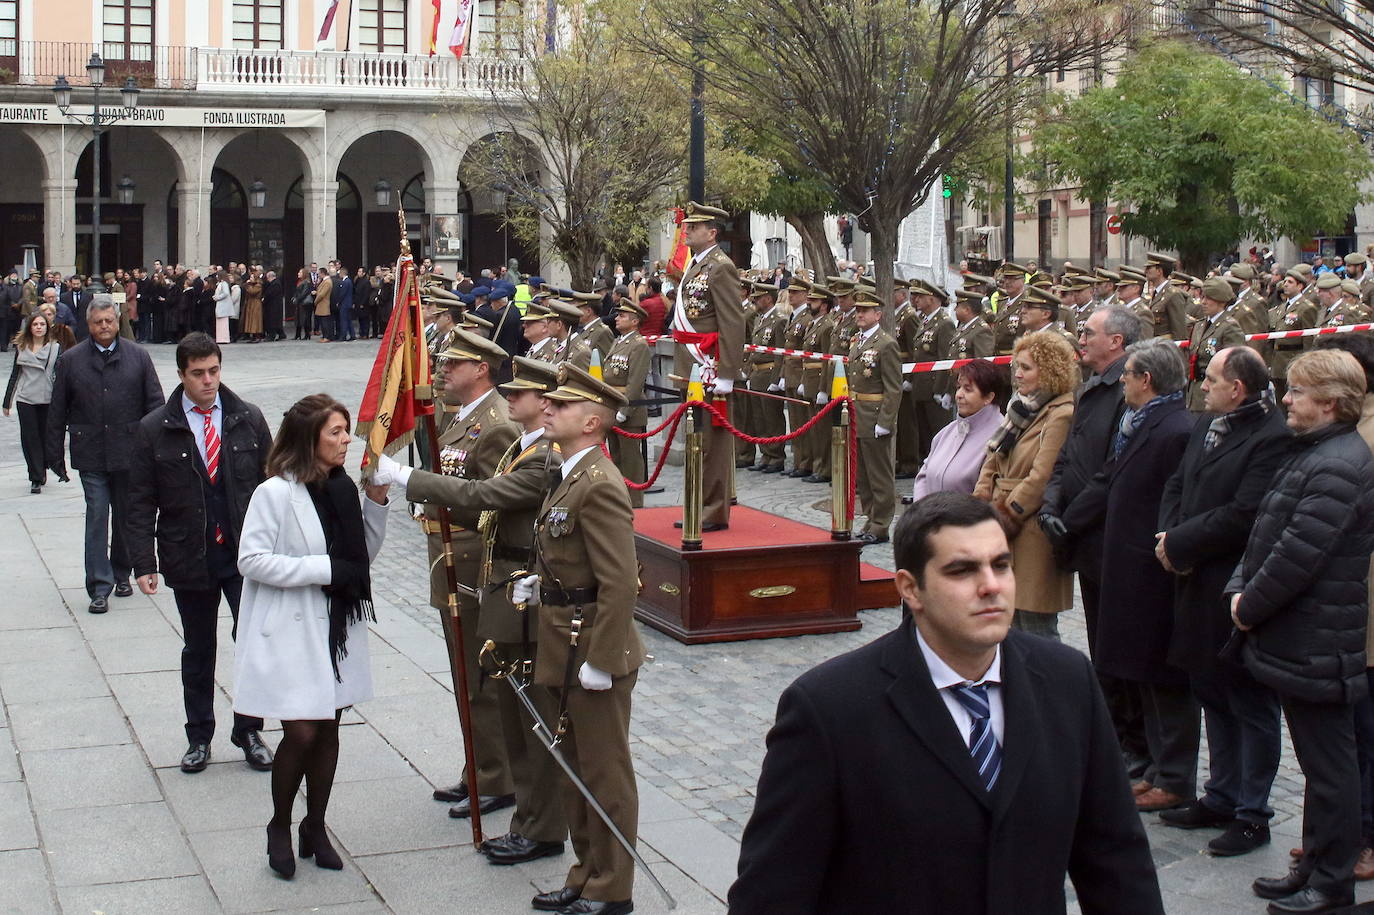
(982, 742)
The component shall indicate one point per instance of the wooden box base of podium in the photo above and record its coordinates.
(762, 578)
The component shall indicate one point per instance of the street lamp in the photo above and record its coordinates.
(257, 194)
(1008, 15)
(126, 188)
(98, 121)
(383, 191)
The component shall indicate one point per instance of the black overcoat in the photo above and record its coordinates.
(100, 401)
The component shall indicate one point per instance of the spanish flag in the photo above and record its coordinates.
(677, 264)
(400, 389)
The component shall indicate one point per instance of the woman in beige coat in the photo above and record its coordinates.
(1021, 455)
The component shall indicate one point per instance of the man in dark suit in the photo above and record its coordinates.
(1205, 516)
(78, 300)
(191, 503)
(986, 757)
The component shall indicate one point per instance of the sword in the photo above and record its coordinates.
(747, 391)
(550, 742)
(461, 588)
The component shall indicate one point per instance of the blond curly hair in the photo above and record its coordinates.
(1056, 359)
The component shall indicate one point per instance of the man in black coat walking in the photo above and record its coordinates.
(104, 386)
(1205, 516)
(196, 463)
(1097, 413)
(1300, 596)
(949, 766)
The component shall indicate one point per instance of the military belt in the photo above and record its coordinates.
(1289, 345)
(571, 597)
(868, 398)
(431, 526)
(762, 365)
(510, 553)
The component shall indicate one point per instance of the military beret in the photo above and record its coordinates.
(1328, 281)
(1303, 270)
(1218, 290)
(1350, 287)
(575, 384)
(1244, 272)
(1298, 275)
(1235, 281)
(469, 347)
(1356, 258)
(480, 291)
(531, 375)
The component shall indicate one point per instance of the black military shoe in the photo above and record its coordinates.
(255, 752)
(99, 605)
(452, 794)
(1239, 839)
(197, 758)
(593, 907)
(488, 802)
(1307, 899)
(1196, 815)
(517, 849)
(555, 900)
(1279, 887)
(123, 589)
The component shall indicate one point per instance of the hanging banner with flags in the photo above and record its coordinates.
(462, 26)
(434, 30)
(677, 263)
(400, 377)
(328, 23)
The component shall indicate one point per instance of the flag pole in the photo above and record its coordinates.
(457, 663)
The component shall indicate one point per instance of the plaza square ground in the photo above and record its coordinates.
(96, 816)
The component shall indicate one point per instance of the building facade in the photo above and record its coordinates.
(254, 139)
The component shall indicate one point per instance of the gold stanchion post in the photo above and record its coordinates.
(692, 469)
(839, 458)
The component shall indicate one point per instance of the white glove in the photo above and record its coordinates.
(391, 473)
(775, 387)
(801, 392)
(593, 679)
(621, 416)
(906, 386)
(525, 591)
(945, 401)
(822, 399)
(879, 431)
(723, 386)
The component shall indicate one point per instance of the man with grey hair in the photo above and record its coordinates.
(1103, 339)
(103, 387)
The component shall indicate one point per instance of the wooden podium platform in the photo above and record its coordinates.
(764, 577)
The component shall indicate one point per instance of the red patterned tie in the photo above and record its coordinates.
(211, 455)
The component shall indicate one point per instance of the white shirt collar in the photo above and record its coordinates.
(624, 337)
(864, 335)
(571, 462)
(944, 676)
(106, 349)
(188, 405)
(697, 257)
(529, 438)
(965, 325)
(466, 409)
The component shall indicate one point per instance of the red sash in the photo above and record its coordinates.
(708, 343)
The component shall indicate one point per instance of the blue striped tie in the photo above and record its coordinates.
(982, 742)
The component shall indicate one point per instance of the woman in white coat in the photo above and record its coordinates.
(224, 307)
(301, 657)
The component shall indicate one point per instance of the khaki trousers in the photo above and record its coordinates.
(628, 455)
(538, 780)
(876, 485)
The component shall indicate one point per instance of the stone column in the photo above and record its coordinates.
(59, 227)
(321, 220)
(441, 198)
(193, 212)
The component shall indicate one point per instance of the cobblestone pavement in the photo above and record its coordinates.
(95, 816)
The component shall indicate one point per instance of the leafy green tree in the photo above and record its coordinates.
(1205, 154)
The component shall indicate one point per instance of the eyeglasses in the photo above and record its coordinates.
(1134, 372)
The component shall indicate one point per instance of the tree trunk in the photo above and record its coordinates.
(882, 239)
(811, 228)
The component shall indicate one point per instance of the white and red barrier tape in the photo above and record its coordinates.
(942, 365)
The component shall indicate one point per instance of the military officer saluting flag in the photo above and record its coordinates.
(1216, 331)
(708, 325)
(585, 584)
(470, 449)
(875, 385)
(627, 369)
(765, 375)
(506, 504)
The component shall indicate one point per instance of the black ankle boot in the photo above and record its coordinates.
(279, 856)
(315, 843)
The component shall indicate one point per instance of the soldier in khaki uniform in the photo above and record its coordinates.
(1128, 292)
(1293, 312)
(1351, 309)
(1335, 309)
(1250, 310)
(819, 335)
(1008, 317)
(586, 583)
(535, 323)
(1038, 311)
(765, 375)
(930, 342)
(743, 412)
(905, 325)
(627, 369)
(843, 289)
(1104, 287)
(563, 318)
(875, 385)
(972, 337)
(794, 338)
(470, 449)
(1357, 269)
(1168, 306)
(708, 325)
(1214, 333)
(592, 330)
(506, 504)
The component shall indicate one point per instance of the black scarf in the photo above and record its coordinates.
(1221, 427)
(349, 591)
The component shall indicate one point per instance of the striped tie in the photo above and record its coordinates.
(211, 456)
(982, 743)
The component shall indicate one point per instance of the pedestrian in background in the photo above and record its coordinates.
(302, 653)
(104, 386)
(30, 389)
(1300, 599)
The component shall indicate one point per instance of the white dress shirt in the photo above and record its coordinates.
(571, 462)
(944, 678)
(196, 421)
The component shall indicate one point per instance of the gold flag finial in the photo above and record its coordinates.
(405, 238)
